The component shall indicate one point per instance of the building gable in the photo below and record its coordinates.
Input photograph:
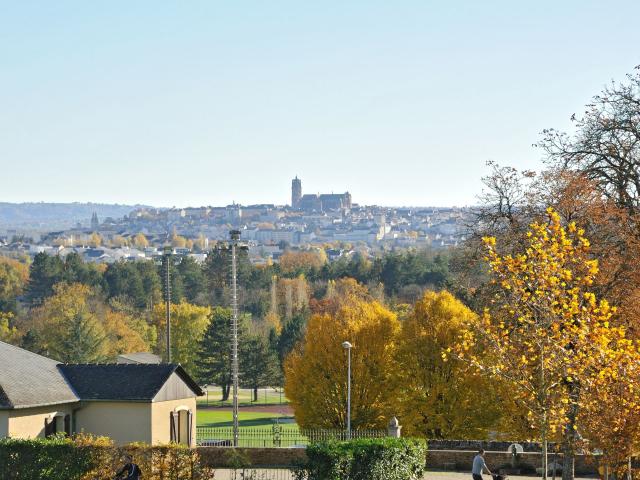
(174, 388)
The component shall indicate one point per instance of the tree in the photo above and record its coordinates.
(84, 340)
(606, 145)
(75, 310)
(44, 273)
(14, 276)
(188, 325)
(258, 364)
(292, 333)
(296, 263)
(140, 241)
(8, 332)
(315, 372)
(546, 335)
(439, 398)
(213, 362)
(192, 279)
(95, 240)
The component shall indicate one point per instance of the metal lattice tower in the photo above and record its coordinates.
(235, 236)
(167, 291)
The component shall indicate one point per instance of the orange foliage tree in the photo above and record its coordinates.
(546, 333)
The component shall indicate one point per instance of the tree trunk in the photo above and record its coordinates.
(545, 461)
(569, 440)
(226, 389)
(255, 394)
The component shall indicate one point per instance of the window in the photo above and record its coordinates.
(181, 427)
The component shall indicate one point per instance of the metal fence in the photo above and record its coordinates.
(254, 474)
(276, 436)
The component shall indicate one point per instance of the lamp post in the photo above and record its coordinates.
(347, 346)
(166, 257)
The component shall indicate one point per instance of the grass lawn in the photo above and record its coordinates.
(223, 418)
(266, 396)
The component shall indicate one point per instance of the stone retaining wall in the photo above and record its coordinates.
(460, 460)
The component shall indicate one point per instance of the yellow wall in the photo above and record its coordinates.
(124, 422)
(4, 423)
(29, 422)
(161, 427)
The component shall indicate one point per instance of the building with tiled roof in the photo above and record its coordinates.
(128, 402)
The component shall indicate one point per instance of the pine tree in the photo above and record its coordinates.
(258, 364)
(84, 341)
(213, 363)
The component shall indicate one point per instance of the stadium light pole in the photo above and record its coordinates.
(235, 237)
(347, 346)
(166, 254)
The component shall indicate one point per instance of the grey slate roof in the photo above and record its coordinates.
(138, 357)
(30, 380)
(122, 382)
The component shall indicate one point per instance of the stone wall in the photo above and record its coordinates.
(461, 460)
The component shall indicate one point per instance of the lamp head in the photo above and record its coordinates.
(346, 345)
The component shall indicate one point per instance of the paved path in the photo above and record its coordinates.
(467, 476)
(286, 475)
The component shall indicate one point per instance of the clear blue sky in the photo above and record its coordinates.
(207, 102)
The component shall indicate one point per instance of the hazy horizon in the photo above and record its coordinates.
(208, 103)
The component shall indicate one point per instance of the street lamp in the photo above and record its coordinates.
(348, 346)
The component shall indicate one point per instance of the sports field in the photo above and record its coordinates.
(256, 417)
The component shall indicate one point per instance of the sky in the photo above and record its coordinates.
(171, 103)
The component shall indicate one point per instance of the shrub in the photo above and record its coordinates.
(87, 458)
(365, 459)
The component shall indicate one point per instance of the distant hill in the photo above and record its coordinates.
(52, 216)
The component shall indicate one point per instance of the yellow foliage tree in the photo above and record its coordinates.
(188, 325)
(8, 332)
(13, 279)
(140, 241)
(316, 370)
(438, 398)
(546, 335)
(74, 325)
(95, 240)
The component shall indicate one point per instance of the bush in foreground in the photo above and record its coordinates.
(365, 459)
(88, 458)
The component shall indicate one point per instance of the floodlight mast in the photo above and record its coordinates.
(235, 237)
(167, 251)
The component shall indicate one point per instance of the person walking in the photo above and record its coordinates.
(132, 470)
(479, 465)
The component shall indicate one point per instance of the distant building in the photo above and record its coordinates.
(95, 224)
(296, 192)
(318, 202)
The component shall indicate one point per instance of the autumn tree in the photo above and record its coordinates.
(8, 332)
(75, 310)
(140, 241)
(13, 279)
(439, 398)
(188, 325)
(315, 372)
(546, 334)
(95, 240)
(293, 263)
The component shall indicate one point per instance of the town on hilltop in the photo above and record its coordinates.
(332, 222)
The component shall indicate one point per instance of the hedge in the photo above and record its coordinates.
(88, 458)
(365, 459)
